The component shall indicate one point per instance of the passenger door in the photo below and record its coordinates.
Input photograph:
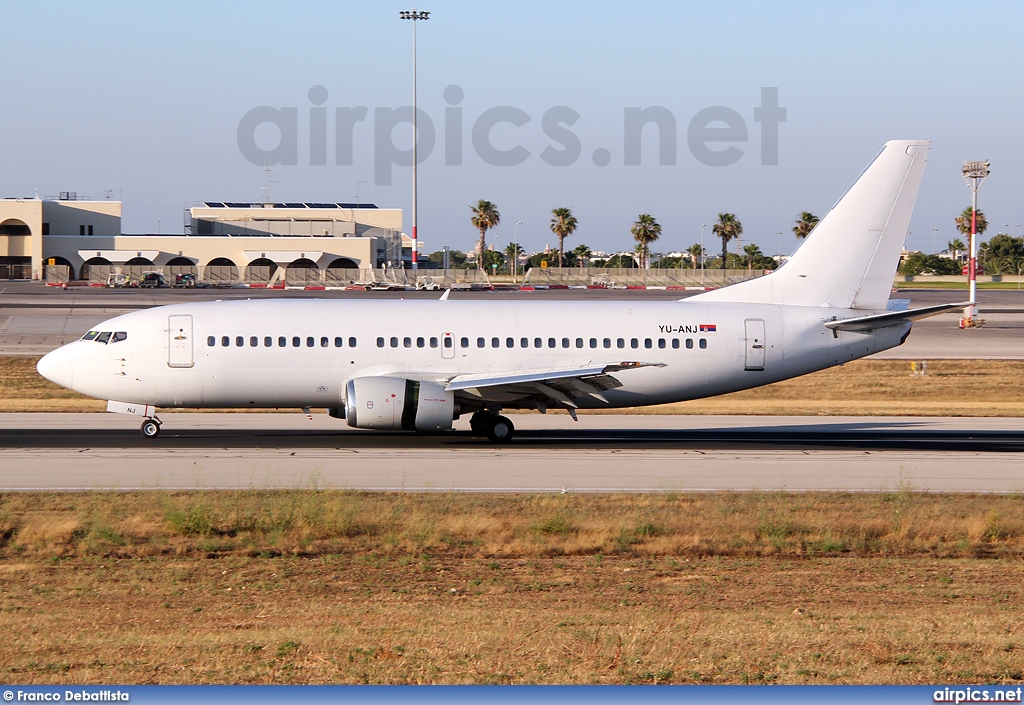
(755, 344)
(179, 343)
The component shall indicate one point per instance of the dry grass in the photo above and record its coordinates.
(311, 587)
(862, 388)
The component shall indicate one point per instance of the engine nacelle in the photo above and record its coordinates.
(394, 403)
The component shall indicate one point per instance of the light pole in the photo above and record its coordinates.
(702, 226)
(515, 251)
(974, 174)
(414, 16)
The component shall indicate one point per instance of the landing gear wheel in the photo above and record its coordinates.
(500, 429)
(150, 428)
(478, 422)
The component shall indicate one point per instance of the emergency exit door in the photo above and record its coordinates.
(755, 344)
(179, 348)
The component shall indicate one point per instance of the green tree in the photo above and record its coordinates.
(920, 263)
(753, 252)
(697, 253)
(492, 261)
(805, 224)
(513, 251)
(963, 222)
(563, 224)
(955, 247)
(583, 254)
(645, 231)
(485, 216)
(456, 259)
(727, 228)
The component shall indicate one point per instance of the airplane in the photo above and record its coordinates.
(421, 365)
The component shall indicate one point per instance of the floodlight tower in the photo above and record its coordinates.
(414, 16)
(975, 174)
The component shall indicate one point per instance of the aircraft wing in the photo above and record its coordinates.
(544, 386)
(891, 318)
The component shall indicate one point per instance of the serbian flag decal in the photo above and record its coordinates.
(708, 328)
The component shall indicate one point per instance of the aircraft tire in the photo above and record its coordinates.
(478, 422)
(500, 429)
(150, 428)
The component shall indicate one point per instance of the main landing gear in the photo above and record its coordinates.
(151, 427)
(497, 428)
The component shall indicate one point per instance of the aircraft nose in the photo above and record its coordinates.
(58, 366)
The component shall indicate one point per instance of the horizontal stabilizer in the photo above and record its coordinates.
(892, 318)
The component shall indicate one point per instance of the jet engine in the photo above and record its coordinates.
(394, 403)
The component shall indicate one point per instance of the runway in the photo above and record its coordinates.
(600, 453)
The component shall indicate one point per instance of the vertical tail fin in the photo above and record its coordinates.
(850, 258)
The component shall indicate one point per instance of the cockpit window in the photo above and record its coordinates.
(119, 336)
(103, 337)
(91, 335)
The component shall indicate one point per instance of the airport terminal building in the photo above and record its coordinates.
(67, 238)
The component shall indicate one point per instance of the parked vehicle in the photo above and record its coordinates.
(152, 280)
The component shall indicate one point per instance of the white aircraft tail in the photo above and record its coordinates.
(850, 258)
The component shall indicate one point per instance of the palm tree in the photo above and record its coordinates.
(485, 217)
(956, 246)
(645, 231)
(963, 222)
(512, 253)
(727, 228)
(752, 251)
(696, 253)
(805, 224)
(583, 254)
(563, 224)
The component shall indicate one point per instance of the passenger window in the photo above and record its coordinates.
(296, 342)
(338, 342)
(239, 341)
(105, 338)
(538, 342)
(480, 343)
(551, 342)
(565, 342)
(579, 342)
(464, 342)
(689, 343)
(224, 341)
(351, 342)
(510, 342)
(211, 341)
(380, 342)
(268, 342)
(495, 343)
(324, 342)
(407, 342)
(91, 335)
(648, 343)
(254, 342)
(593, 342)
(607, 342)
(661, 343)
(524, 342)
(634, 343)
(394, 342)
(620, 343)
(433, 342)
(703, 344)
(310, 342)
(282, 342)
(448, 343)
(420, 342)
(675, 343)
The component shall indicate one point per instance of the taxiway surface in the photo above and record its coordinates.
(606, 453)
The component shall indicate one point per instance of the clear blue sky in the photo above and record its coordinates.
(145, 99)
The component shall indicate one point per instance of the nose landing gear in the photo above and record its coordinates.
(151, 427)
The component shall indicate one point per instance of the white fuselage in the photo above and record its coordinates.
(301, 353)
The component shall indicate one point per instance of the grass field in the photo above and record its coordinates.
(861, 388)
(327, 587)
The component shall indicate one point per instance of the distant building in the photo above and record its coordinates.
(74, 239)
